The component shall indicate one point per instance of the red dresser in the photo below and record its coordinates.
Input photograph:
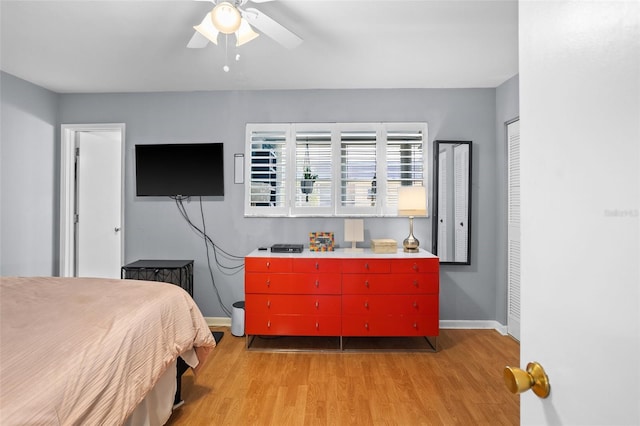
(341, 293)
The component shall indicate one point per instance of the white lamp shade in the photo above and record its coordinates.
(207, 29)
(354, 230)
(412, 201)
(245, 33)
(226, 17)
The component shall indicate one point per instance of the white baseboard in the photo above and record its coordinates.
(461, 324)
(472, 324)
(218, 321)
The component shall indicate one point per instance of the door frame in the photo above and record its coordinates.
(67, 190)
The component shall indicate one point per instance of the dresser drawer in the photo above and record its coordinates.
(390, 283)
(390, 304)
(317, 265)
(390, 325)
(403, 266)
(267, 264)
(425, 283)
(292, 325)
(292, 283)
(364, 283)
(371, 266)
(255, 282)
(292, 304)
(319, 283)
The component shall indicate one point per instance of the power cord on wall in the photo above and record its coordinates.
(227, 270)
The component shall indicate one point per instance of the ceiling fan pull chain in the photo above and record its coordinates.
(226, 53)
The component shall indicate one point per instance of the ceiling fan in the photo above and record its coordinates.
(230, 17)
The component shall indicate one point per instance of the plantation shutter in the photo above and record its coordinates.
(358, 180)
(313, 153)
(405, 162)
(267, 170)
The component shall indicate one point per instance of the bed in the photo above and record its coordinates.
(94, 351)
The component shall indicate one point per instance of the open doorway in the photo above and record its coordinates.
(92, 200)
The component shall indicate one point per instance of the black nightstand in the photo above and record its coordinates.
(178, 272)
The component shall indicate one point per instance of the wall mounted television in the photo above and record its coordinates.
(190, 169)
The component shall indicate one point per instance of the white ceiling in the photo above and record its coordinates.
(140, 46)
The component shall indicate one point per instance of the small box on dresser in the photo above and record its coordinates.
(384, 246)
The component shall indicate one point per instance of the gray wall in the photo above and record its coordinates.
(29, 178)
(155, 229)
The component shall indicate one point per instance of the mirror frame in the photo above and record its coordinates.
(436, 187)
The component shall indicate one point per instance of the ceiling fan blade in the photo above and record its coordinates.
(271, 28)
(198, 41)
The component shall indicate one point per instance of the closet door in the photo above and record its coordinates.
(513, 231)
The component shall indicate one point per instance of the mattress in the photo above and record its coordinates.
(88, 350)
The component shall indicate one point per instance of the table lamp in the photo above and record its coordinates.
(354, 232)
(412, 201)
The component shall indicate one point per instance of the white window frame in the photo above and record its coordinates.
(290, 130)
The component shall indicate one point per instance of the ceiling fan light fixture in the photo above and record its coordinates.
(226, 17)
(207, 29)
(245, 33)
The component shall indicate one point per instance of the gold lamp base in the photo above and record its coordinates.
(410, 246)
(411, 243)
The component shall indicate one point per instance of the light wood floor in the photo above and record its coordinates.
(461, 384)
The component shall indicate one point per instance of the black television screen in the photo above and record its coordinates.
(190, 169)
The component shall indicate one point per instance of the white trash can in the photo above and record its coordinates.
(237, 319)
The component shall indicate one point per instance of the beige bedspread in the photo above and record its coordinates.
(78, 351)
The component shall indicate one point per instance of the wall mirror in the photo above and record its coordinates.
(452, 202)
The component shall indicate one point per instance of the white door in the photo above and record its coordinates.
(513, 229)
(580, 230)
(98, 198)
(91, 200)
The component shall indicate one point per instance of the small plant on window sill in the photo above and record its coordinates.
(306, 184)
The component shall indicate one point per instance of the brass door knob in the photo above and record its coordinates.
(534, 378)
